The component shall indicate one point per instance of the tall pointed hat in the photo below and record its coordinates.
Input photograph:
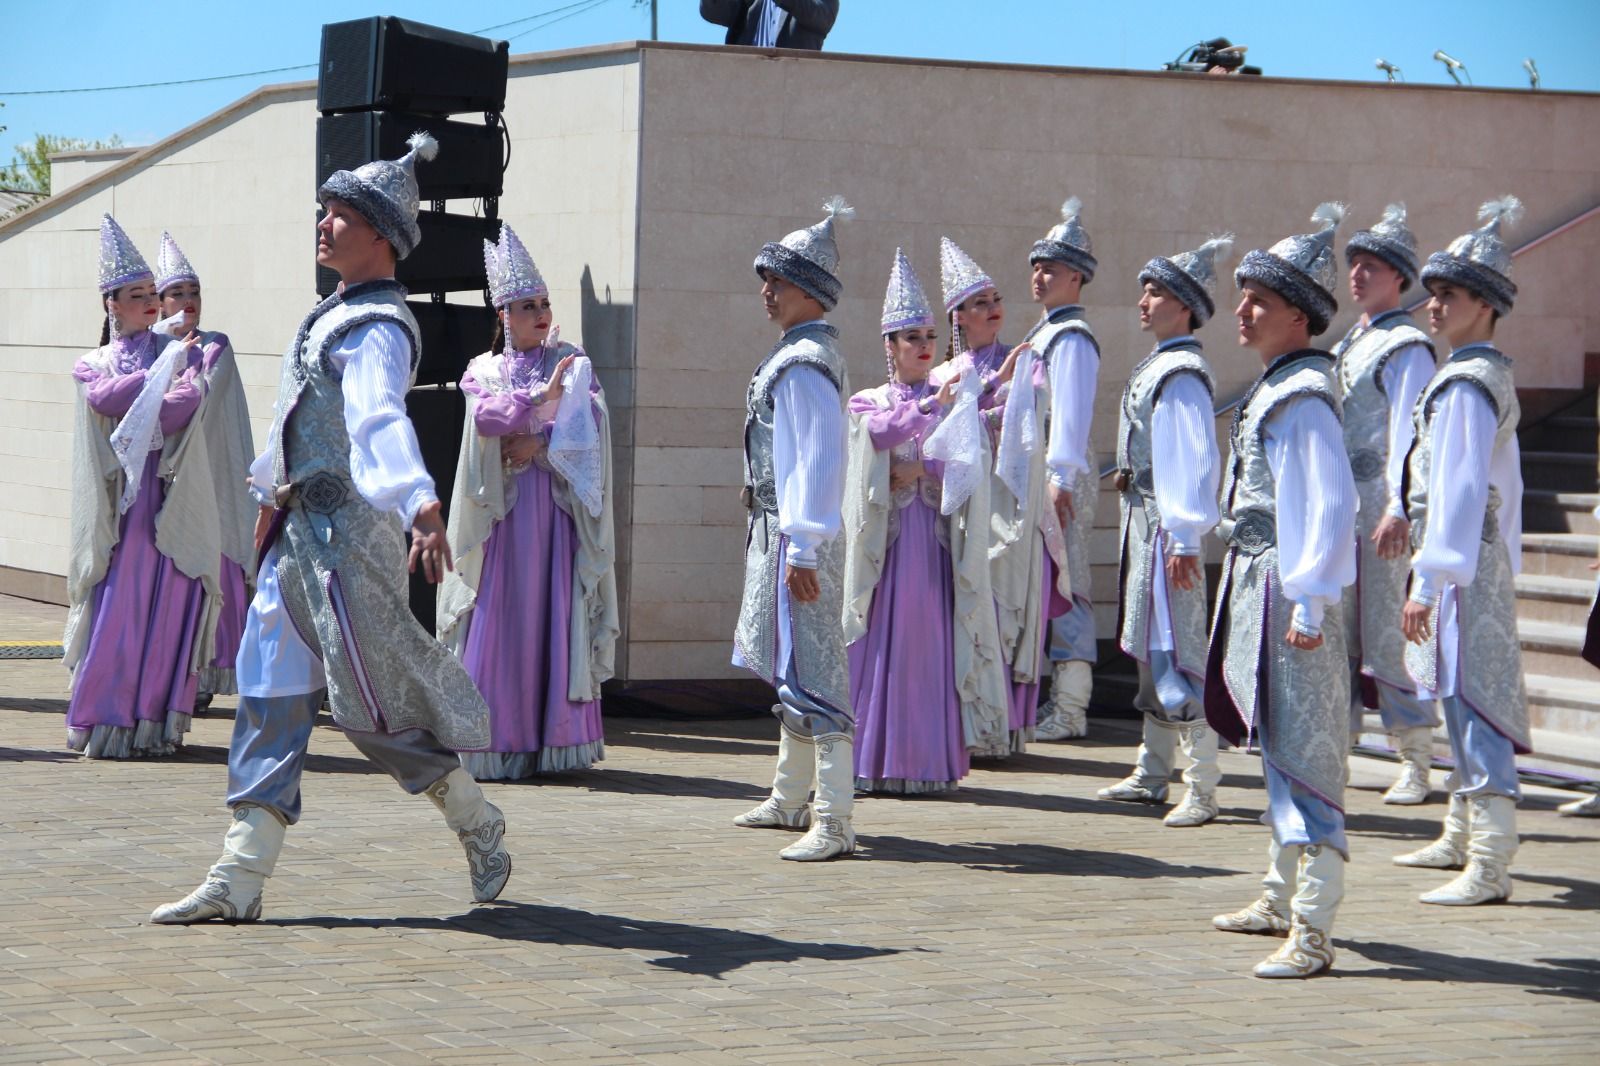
(1391, 240)
(120, 262)
(905, 305)
(385, 193)
(172, 266)
(1191, 276)
(962, 276)
(1480, 261)
(510, 269)
(809, 257)
(1068, 242)
(1301, 268)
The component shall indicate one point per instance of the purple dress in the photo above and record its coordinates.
(517, 642)
(1024, 695)
(133, 692)
(902, 670)
(219, 676)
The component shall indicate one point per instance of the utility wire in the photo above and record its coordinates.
(564, 12)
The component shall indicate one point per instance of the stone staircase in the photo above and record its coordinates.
(1560, 539)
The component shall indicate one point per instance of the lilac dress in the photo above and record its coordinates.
(219, 676)
(902, 670)
(133, 692)
(517, 642)
(1024, 694)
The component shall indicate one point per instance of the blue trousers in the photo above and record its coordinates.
(1486, 763)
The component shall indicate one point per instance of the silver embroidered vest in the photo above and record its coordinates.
(1298, 700)
(1141, 518)
(1489, 659)
(341, 563)
(1086, 490)
(820, 669)
(1362, 356)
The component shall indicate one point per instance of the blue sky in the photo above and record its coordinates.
(67, 44)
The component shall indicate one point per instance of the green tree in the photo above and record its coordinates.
(29, 170)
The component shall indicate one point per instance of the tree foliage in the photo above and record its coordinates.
(29, 170)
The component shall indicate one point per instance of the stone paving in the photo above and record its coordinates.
(1018, 921)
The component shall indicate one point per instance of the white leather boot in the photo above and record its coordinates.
(1588, 807)
(1416, 758)
(481, 828)
(1320, 887)
(1151, 769)
(830, 835)
(231, 891)
(1199, 803)
(788, 805)
(1493, 843)
(1449, 852)
(1071, 683)
(1268, 915)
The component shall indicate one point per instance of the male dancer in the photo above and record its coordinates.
(1063, 263)
(1289, 510)
(790, 632)
(1463, 495)
(1167, 472)
(1383, 363)
(340, 479)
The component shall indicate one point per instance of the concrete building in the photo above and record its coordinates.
(645, 176)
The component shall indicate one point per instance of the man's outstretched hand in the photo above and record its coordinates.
(429, 545)
(803, 584)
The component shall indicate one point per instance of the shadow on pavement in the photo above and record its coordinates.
(1579, 895)
(1030, 859)
(1061, 804)
(696, 949)
(1570, 978)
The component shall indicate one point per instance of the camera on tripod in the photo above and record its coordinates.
(1217, 54)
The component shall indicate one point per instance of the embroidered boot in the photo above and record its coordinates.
(1449, 852)
(1070, 686)
(1416, 758)
(231, 891)
(1493, 843)
(1268, 915)
(1199, 803)
(1309, 948)
(786, 807)
(481, 828)
(1151, 768)
(1588, 807)
(830, 835)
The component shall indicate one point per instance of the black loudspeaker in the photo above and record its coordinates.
(470, 163)
(451, 334)
(408, 66)
(448, 259)
(437, 415)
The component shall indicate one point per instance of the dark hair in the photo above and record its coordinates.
(499, 332)
(105, 324)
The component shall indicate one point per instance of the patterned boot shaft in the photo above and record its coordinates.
(232, 889)
(1490, 849)
(1262, 918)
(771, 814)
(1449, 852)
(829, 837)
(1307, 952)
(481, 828)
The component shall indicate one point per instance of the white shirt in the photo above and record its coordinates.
(808, 461)
(1404, 377)
(1316, 507)
(374, 362)
(1074, 367)
(1465, 462)
(1184, 462)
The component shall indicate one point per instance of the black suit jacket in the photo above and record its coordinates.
(805, 25)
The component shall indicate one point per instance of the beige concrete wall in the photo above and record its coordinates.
(69, 168)
(740, 147)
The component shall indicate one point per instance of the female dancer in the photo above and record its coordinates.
(142, 579)
(531, 606)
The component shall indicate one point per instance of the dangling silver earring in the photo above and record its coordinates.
(116, 323)
(888, 359)
(505, 319)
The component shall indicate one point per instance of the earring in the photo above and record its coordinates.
(116, 323)
(505, 320)
(888, 359)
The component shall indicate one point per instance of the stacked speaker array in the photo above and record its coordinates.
(382, 79)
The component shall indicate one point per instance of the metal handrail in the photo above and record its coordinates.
(1569, 224)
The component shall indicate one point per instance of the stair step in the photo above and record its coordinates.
(1552, 649)
(1565, 715)
(1561, 471)
(1543, 598)
(1559, 554)
(1559, 432)
(1548, 511)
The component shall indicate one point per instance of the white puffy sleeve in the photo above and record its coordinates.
(1462, 431)
(1316, 507)
(1074, 370)
(374, 361)
(1404, 378)
(808, 459)
(1185, 462)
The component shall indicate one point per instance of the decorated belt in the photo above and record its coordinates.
(1253, 532)
(321, 493)
(1366, 464)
